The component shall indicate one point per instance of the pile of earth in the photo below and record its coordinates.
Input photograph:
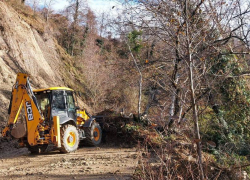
(10, 148)
(115, 129)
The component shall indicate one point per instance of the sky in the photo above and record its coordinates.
(112, 9)
(98, 6)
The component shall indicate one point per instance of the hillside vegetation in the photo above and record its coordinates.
(182, 65)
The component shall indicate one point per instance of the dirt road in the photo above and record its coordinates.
(86, 163)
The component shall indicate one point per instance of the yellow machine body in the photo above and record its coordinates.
(38, 129)
(21, 99)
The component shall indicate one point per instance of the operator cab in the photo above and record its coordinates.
(56, 101)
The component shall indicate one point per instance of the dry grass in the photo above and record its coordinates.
(175, 158)
(34, 19)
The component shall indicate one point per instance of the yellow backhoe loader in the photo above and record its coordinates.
(48, 117)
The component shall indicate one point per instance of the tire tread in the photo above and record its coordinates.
(64, 148)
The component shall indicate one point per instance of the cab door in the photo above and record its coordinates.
(71, 105)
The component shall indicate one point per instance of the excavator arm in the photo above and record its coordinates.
(23, 98)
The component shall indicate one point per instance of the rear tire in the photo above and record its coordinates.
(93, 134)
(69, 139)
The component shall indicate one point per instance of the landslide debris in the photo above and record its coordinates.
(10, 149)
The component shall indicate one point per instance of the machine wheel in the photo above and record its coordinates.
(93, 134)
(37, 149)
(69, 139)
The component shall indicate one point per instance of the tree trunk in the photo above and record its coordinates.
(195, 115)
(174, 106)
(75, 23)
(140, 82)
(193, 103)
(140, 89)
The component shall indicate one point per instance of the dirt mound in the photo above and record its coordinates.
(115, 129)
(10, 149)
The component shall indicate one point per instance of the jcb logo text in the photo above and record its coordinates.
(29, 111)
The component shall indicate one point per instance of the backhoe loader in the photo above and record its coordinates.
(48, 118)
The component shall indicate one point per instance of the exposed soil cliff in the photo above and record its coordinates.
(25, 48)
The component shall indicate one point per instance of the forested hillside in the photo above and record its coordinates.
(181, 64)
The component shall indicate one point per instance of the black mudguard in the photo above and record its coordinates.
(89, 122)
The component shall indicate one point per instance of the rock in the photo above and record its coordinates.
(134, 156)
(11, 168)
(117, 171)
(144, 154)
(29, 174)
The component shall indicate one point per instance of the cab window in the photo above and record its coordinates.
(70, 101)
(58, 100)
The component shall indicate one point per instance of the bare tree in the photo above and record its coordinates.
(140, 81)
(48, 9)
(192, 36)
(35, 5)
(75, 12)
(191, 65)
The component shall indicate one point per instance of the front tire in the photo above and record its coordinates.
(93, 134)
(69, 139)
